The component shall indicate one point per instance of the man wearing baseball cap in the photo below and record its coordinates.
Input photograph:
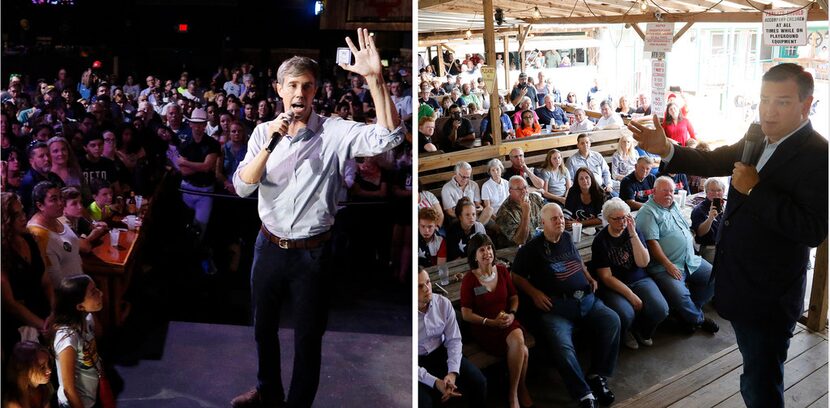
(523, 89)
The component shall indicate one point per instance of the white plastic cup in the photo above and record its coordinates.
(138, 200)
(682, 194)
(444, 274)
(677, 199)
(130, 220)
(114, 235)
(604, 221)
(576, 228)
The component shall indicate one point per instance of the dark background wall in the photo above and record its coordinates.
(143, 36)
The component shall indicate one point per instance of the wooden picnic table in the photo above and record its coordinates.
(111, 268)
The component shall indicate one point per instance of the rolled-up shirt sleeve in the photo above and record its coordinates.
(256, 143)
(367, 140)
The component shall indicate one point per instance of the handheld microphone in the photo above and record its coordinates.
(276, 136)
(753, 140)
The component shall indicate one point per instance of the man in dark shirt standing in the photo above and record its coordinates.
(197, 162)
(707, 216)
(523, 89)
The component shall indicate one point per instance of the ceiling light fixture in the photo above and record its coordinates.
(644, 6)
(536, 13)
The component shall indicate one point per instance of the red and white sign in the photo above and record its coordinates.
(659, 37)
(658, 87)
(785, 27)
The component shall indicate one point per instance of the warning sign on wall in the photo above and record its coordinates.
(785, 27)
(659, 37)
(658, 87)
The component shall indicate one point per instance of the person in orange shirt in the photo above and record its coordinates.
(529, 125)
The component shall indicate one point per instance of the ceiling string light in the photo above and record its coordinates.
(644, 6)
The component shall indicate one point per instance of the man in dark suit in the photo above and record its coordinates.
(777, 210)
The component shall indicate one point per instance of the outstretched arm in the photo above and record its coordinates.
(367, 64)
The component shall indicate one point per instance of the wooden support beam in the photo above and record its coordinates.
(682, 31)
(506, 42)
(441, 71)
(455, 34)
(523, 32)
(817, 313)
(639, 32)
(815, 14)
(426, 4)
(822, 4)
(490, 58)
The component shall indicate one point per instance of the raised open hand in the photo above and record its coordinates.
(366, 57)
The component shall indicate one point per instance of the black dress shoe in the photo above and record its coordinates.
(599, 386)
(588, 403)
(709, 325)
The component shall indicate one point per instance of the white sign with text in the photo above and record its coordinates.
(658, 87)
(659, 37)
(785, 27)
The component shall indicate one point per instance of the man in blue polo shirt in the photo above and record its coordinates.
(636, 187)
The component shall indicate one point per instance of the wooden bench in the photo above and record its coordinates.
(437, 169)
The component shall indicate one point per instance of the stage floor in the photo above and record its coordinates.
(206, 365)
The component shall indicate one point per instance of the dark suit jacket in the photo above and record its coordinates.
(765, 238)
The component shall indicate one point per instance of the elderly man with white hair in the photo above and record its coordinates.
(460, 185)
(550, 271)
(620, 257)
(707, 216)
(682, 276)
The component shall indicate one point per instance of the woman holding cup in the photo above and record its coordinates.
(489, 302)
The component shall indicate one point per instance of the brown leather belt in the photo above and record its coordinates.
(305, 243)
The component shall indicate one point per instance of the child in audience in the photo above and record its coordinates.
(101, 208)
(87, 230)
(27, 377)
(76, 353)
(432, 249)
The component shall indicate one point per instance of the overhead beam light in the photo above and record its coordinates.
(644, 6)
(536, 13)
(468, 35)
(319, 7)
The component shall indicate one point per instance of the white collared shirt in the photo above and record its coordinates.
(438, 326)
(299, 189)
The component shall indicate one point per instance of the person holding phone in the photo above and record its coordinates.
(293, 162)
(707, 216)
(456, 130)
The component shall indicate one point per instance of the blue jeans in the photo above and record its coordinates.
(604, 331)
(275, 274)
(200, 204)
(764, 350)
(654, 310)
(688, 301)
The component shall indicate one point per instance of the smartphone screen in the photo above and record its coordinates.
(344, 56)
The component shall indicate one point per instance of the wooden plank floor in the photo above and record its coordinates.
(715, 382)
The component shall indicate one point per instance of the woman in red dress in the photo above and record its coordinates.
(489, 302)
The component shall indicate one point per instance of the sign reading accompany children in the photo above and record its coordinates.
(659, 37)
(785, 27)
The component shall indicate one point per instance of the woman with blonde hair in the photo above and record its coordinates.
(623, 160)
(64, 162)
(556, 176)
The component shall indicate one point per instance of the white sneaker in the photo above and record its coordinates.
(641, 340)
(630, 341)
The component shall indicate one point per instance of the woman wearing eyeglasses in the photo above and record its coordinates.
(619, 256)
(529, 125)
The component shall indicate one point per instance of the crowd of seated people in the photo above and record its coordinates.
(644, 262)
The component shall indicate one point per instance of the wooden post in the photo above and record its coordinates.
(638, 31)
(507, 83)
(440, 50)
(817, 313)
(429, 57)
(490, 55)
(523, 30)
(682, 31)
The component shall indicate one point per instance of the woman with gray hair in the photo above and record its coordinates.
(495, 190)
(619, 256)
(524, 105)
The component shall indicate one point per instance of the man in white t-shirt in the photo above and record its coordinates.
(459, 186)
(609, 119)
